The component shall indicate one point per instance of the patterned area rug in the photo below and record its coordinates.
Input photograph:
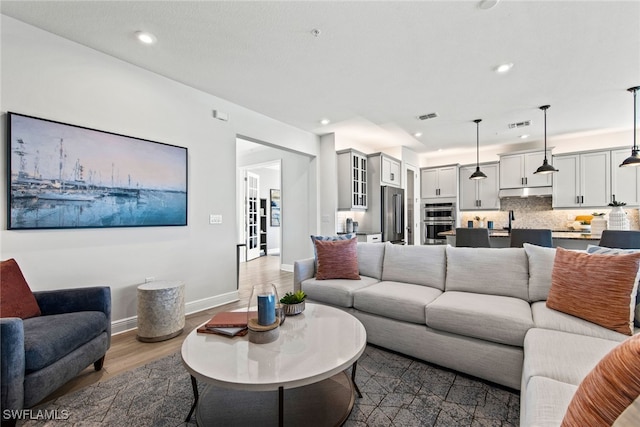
(397, 391)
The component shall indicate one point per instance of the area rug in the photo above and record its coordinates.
(397, 391)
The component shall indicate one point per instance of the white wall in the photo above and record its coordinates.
(50, 77)
(269, 179)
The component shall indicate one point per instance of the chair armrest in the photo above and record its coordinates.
(302, 270)
(12, 363)
(60, 301)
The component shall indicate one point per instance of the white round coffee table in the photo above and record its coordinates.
(247, 381)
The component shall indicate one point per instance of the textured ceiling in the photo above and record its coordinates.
(375, 66)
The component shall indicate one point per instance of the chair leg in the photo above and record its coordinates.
(97, 365)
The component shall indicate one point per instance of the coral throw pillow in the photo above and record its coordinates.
(16, 298)
(598, 288)
(608, 389)
(337, 259)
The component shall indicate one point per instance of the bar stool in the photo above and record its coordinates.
(472, 238)
(539, 237)
(621, 239)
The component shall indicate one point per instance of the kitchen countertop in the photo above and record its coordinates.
(563, 234)
(361, 233)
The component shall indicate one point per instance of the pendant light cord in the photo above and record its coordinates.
(635, 91)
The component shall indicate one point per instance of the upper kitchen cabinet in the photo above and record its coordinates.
(625, 182)
(583, 179)
(352, 180)
(517, 170)
(479, 194)
(387, 167)
(440, 182)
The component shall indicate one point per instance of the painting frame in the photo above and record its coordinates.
(275, 204)
(66, 176)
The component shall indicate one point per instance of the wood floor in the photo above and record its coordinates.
(127, 352)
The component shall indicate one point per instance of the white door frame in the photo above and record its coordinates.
(416, 203)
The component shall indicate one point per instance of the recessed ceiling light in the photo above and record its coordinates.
(146, 38)
(325, 122)
(524, 136)
(503, 68)
(487, 4)
(417, 134)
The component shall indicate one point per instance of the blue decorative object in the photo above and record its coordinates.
(266, 309)
(469, 224)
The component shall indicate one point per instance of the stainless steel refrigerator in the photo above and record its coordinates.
(392, 214)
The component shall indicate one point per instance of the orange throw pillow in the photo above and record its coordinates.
(16, 298)
(608, 389)
(337, 259)
(598, 288)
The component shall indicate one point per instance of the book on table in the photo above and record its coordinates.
(230, 319)
(230, 332)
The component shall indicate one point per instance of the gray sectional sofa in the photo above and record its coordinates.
(479, 311)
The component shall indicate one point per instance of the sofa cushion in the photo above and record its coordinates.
(401, 301)
(488, 271)
(544, 317)
(337, 259)
(592, 249)
(329, 239)
(337, 292)
(609, 389)
(562, 356)
(49, 338)
(545, 402)
(540, 269)
(422, 264)
(597, 288)
(495, 318)
(16, 298)
(370, 259)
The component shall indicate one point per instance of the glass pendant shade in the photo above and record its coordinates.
(546, 167)
(478, 174)
(634, 159)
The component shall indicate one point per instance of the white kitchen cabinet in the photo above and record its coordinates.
(352, 180)
(582, 180)
(385, 168)
(625, 182)
(479, 194)
(439, 182)
(370, 238)
(517, 170)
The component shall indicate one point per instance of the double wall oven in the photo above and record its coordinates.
(437, 217)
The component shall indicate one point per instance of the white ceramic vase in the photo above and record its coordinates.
(618, 219)
(598, 225)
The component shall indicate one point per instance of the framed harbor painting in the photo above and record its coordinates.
(68, 176)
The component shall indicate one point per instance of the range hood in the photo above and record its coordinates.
(527, 192)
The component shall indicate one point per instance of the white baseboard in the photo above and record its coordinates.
(124, 325)
(273, 251)
(286, 267)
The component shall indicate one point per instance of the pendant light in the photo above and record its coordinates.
(546, 168)
(478, 174)
(634, 159)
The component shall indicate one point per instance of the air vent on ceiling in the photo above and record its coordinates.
(428, 116)
(519, 124)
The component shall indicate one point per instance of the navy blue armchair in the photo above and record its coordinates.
(42, 353)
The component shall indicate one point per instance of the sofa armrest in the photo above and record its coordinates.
(12, 363)
(302, 270)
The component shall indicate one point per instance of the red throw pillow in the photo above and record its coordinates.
(16, 298)
(608, 389)
(597, 288)
(337, 259)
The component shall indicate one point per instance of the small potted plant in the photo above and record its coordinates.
(293, 302)
(480, 221)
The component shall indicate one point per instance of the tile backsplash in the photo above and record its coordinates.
(536, 212)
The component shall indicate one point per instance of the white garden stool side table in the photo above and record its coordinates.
(160, 310)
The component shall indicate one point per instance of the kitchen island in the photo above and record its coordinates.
(561, 238)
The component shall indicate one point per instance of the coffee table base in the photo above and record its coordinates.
(326, 403)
